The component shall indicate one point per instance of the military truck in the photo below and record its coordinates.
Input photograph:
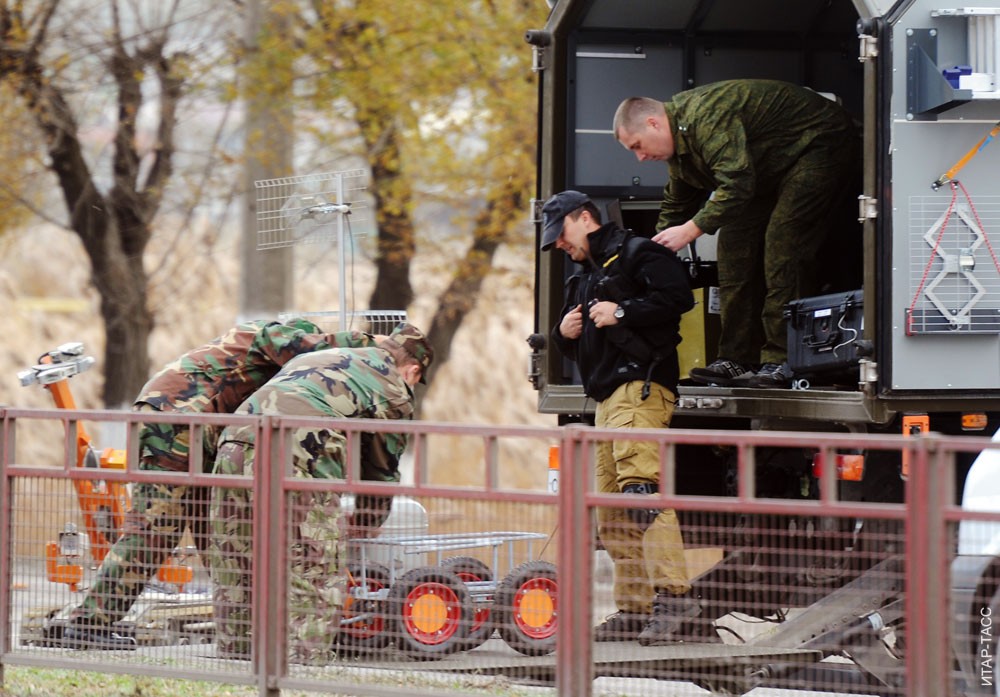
(906, 336)
(928, 310)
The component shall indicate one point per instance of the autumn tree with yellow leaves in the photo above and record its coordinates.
(444, 101)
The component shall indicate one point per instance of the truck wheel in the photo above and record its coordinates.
(52, 631)
(363, 622)
(472, 570)
(431, 612)
(527, 608)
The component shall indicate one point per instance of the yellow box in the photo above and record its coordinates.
(699, 331)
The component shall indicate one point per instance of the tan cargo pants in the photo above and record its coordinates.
(650, 560)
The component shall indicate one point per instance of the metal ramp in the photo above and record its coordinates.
(835, 623)
(723, 669)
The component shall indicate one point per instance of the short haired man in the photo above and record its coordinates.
(369, 383)
(621, 327)
(214, 378)
(766, 163)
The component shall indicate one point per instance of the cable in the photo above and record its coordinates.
(351, 299)
(955, 186)
(930, 259)
(975, 214)
(844, 328)
(724, 628)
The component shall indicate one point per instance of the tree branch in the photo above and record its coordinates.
(459, 298)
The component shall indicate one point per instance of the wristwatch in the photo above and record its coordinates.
(620, 312)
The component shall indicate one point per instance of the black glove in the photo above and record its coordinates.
(643, 517)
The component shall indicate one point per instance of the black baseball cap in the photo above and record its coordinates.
(553, 212)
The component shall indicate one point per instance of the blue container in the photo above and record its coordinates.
(952, 75)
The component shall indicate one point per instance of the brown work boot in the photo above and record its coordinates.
(670, 613)
(621, 626)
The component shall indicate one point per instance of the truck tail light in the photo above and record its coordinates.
(554, 469)
(850, 466)
(975, 421)
(913, 425)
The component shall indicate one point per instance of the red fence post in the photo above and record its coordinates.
(574, 667)
(6, 547)
(268, 495)
(926, 579)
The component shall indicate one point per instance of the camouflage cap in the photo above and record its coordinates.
(415, 343)
(302, 324)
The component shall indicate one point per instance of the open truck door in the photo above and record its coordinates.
(914, 296)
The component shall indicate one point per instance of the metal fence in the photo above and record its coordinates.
(485, 579)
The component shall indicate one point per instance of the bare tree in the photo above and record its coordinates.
(391, 73)
(111, 210)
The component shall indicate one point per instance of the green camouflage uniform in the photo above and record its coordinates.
(339, 383)
(214, 378)
(780, 160)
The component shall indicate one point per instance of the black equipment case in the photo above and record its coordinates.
(825, 333)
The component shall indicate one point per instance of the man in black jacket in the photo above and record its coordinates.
(621, 327)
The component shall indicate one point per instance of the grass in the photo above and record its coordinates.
(21, 681)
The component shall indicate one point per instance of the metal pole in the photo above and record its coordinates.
(6, 547)
(342, 254)
(266, 284)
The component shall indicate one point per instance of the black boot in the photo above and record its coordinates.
(670, 613)
(91, 636)
(621, 626)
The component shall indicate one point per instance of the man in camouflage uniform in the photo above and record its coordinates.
(777, 160)
(370, 383)
(214, 378)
